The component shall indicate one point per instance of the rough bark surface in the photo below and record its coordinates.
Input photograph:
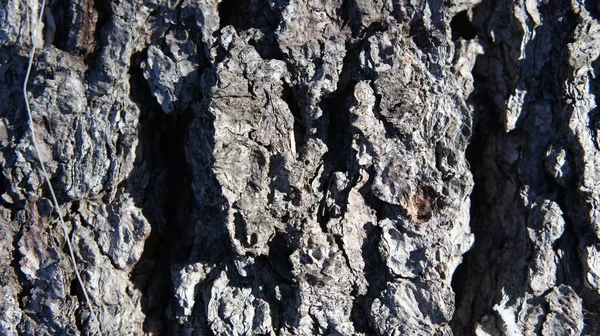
(302, 167)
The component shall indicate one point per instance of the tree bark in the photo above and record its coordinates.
(302, 167)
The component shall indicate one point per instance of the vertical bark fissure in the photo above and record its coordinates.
(504, 231)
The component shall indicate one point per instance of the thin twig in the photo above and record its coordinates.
(45, 173)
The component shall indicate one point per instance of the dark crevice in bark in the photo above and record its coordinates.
(495, 241)
(176, 200)
(485, 122)
(462, 27)
(263, 280)
(593, 6)
(75, 291)
(211, 240)
(262, 15)
(103, 24)
(16, 255)
(340, 243)
(59, 11)
(339, 142)
(338, 136)
(350, 16)
(276, 307)
(229, 13)
(472, 302)
(12, 106)
(592, 307)
(569, 270)
(377, 275)
(161, 181)
(241, 233)
(579, 232)
(300, 131)
(104, 10)
(423, 38)
(281, 248)
(591, 319)
(4, 185)
(594, 115)
(466, 307)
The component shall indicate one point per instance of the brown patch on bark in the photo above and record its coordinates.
(420, 205)
(86, 41)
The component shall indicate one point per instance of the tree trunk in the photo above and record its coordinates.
(301, 167)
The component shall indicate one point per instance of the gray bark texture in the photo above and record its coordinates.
(301, 167)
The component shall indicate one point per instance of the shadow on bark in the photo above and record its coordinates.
(503, 253)
(161, 184)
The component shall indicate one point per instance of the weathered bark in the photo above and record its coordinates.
(303, 167)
